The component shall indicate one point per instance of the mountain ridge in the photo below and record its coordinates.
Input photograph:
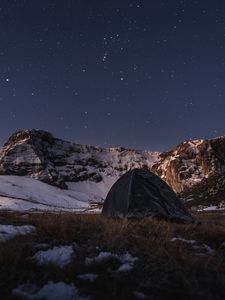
(194, 169)
(38, 154)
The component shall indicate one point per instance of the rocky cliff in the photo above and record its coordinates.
(195, 169)
(190, 162)
(38, 154)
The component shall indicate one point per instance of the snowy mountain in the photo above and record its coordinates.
(39, 166)
(196, 170)
(88, 170)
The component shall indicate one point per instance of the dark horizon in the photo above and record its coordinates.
(138, 74)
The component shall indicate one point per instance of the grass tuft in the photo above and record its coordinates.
(164, 269)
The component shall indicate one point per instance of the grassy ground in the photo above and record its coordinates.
(164, 269)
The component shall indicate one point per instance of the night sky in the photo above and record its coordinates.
(141, 74)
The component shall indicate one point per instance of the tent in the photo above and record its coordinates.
(139, 193)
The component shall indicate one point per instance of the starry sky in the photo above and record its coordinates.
(142, 74)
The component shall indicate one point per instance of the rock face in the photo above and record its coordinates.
(38, 154)
(193, 169)
(191, 162)
(209, 192)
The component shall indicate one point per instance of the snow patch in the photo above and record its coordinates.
(211, 208)
(8, 232)
(202, 249)
(183, 240)
(22, 194)
(61, 256)
(127, 261)
(50, 291)
(102, 257)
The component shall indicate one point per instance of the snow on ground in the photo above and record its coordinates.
(96, 190)
(201, 249)
(211, 208)
(21, 193)
(50, 291)
(10, 231)
(127, 261)
(102, 257)
(61, 256)
(88, 277)
(14, 204)
(92, 211)
(174, 239)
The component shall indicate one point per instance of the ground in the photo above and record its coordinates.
(166, 259)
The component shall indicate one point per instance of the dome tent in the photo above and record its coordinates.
(139, 193)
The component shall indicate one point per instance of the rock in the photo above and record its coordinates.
(38, 154)
(191, 162)
(193, 169)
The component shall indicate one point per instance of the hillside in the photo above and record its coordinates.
(195, 169)
(22, 193)
(81, 172)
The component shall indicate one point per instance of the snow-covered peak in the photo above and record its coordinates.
(38, 154)
(88, 172)
(190, 162)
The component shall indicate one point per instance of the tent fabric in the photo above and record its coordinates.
(139, 193)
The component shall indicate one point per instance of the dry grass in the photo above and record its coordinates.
(164, 268)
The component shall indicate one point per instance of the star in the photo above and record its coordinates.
(95, 63)
(105, 56)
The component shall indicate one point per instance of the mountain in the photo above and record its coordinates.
(195, 169)
(209, 194)
(85, 169)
